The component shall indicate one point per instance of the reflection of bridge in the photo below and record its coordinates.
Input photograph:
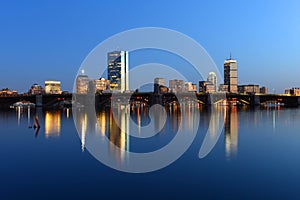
(45, 101)
(219, 98)
(149, 98)
(252, 100)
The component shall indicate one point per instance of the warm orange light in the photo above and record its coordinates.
(52, 124)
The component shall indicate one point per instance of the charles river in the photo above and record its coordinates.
(257, 155)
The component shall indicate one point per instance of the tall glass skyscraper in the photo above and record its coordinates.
(231, 75)
(117, 74)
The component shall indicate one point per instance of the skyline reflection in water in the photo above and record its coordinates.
(50, 120)
(231, 131)
(164, 123)
(120, 142)
(258, 152)
(116, 128)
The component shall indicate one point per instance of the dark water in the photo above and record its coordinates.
(256, 157)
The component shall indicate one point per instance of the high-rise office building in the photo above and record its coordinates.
(176, 86)
(117, 74)
(212, 77)
(159, 83)
(231, 75)
(82, 83)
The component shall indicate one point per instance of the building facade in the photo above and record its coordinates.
(82, 84)
(101, 85)
(7, 92)
(231, 75)
(117, 74)
(52, 87)
(194, 87)
(293, 91)
(189, 87)
(263, 90)
(176, 86)
(248, 89)
(206, 87)
(159, 83)
(223, 88)
(212, 77)
(36, 89)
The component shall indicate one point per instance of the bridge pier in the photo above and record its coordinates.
(39, 100)
(256, 100)
(156, 99)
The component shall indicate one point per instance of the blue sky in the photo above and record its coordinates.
(42, 40)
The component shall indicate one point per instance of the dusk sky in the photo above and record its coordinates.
(43, 40)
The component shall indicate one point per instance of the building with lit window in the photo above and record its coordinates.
(117, 74)
(248, 89)
(212, 77)
(176, 86)
(7, 92)
(101, 85)
(263, 90)
(231, 75)
(190, 87)
(223, 88)
(36, 89)
(206, 87)
(194, 87)
(52, 87)
(293, 91)
(82, 83)
(159, 85)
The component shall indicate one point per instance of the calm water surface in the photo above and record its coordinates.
(256, 156)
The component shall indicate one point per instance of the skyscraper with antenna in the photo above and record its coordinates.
(231, 74)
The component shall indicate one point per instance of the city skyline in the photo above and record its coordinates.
(117, 67)
(150, 99)
(47, 41)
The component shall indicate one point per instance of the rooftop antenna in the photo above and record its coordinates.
(230, 55)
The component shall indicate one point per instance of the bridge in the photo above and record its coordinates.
(45, 100)
(150, 98)
(219, 98)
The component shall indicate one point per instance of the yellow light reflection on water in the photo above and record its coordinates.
(83, 131)
(101, 121)
(231, 131)
(119, 136)
(68, 113)
(52, 123)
